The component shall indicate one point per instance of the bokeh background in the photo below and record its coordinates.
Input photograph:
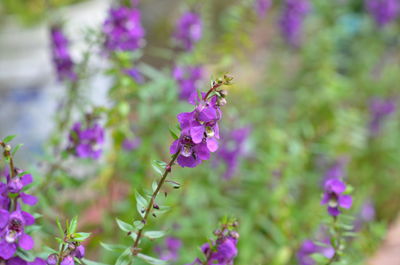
(296, 113)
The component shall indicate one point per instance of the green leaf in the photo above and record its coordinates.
(159, 166)
(173, 134)
(124, 226)
(138, 224)
(14, 151)
(112, 247)
(125, 258)
(91, 262)
(72, 225)
(154, 234)
(154, 185)
(81, 236)
(9, 138)
(141, 204)
(60, 229)
(151, 260)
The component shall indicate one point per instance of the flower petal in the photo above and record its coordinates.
(26, 242)
(7, 250)
(4, 216)
(212, 144)
(345, 201)
(197, 133)
(28, 199)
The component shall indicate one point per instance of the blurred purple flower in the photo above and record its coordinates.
(291, 21)
(337, 169)
(169, 251)
(231, 149)
(188, 78)
(131, 144)
(308, 248)
(262, 7)
(188, 30)
(366, 215)
(86, 142)
(334, 197)
(383, 11)
(123, 29)
(60, 53)
(135, 74)
(380, 109)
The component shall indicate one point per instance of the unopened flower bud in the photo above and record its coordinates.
(52, 259)
(223, 93)
(7, 148)
(234, 234)
(155, 206)
(235, 224)
(221, 101)
(217, 232)
(228, 78)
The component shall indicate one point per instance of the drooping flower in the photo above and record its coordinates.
(188, 30)
(380, 109)
(231, 149)
(123, 29)
(261, 7)
(383, 11)
(291, 21)
(86, 142)
(61, 56)
(308, 248)
(14, 186)
(169, 251)
(334, 197)
(188, 78)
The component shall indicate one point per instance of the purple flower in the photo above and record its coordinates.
(308, 248)
(12, 233)
(131, 144)
(79, 252)
(261, 7)
(380, 109)
(14, 186)
(86, 142)
(169, 251)
(188, 78)
(337, 169)
(222, 252)
(232, 148)
(188, 30)
(383, 11)
(199, 135)
(135, 74)
(334, 197)
(61, 57)
(366, 214)
(291, 21)
(123, 29)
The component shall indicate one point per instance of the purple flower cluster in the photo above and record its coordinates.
(232, 148)
(334, 196)
(188, 30)
(308, 248)
(123, 29)
(380, 109)
(383, 11)
(169, 251)
(61, 56)
(13, 220)
(261, 7)
(73, 251)
(86, 142)
(222, 251)
(199, 131)
(292, 18)
(188, 78)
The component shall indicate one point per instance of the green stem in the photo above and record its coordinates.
(135, 249)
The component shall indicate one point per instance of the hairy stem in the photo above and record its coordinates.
(139, 235)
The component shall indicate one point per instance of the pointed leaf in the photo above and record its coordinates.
(124, 226)
(151, 260)
(154, 234)
(9, 138)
